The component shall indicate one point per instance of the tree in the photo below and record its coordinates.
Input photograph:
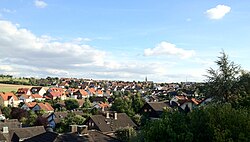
(214, 122)
(222, 83)
(41, 121)
(18, 113)
(125, 134)
(71, 104)
(137, 102)
(70, 119)
(123, 105)
(6, 111)
(87, 103)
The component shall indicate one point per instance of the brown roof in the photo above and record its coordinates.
(11, 124)
(22, 90)
(26, 132)
(110, 124)
(158, 106)
(93, 136)
(43, 137)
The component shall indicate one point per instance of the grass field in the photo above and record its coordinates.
(11, 87)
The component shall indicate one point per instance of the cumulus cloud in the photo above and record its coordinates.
(40, 4)
(25, 54)
(31, 55)
(218, 12)
(166, 49)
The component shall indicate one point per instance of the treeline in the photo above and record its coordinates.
(8, 79)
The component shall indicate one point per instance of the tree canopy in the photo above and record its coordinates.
(222, 82)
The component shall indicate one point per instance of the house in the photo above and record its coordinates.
(28, 105)
(38, 90)
(54, 89)
(46, 107)
(109, 122)
(154, 109)
(20, 134)
(99, 93)
(47, 136)
(63, 84)
(90, 136)
(21, 91)
(183, 102)
(91, 91)
(37, 97)
(9, 99)
(190, 103)
(53, 95)
(26, 98)
(81, 93)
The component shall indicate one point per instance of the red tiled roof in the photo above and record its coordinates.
(36, 96)
(8, 95)
(99, 91)
(31, 104)
(56, 94)
(83, 92)
(45, 106)
(103, 105)
(91, 90)
(56, 89)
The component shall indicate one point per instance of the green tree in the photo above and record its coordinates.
(125, 134)
(71, 104)
(87, 104)
(70, 119)
(123, 105)
(6, 111)
(222, 82)
(137, 102)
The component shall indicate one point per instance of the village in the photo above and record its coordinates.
(72, 109)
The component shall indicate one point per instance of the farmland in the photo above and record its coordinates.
(11, 87)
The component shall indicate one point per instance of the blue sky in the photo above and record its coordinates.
(165, 40)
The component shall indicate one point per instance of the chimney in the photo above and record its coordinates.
(20, 125)
(107, 115)
(115, 116)
(5, 129)
(103, 108)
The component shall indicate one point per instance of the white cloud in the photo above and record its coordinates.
(40, 4)
(165, 48)
(6, 68)
(25, 54)
(218, 12)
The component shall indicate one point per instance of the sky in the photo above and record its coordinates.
(163, 40)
